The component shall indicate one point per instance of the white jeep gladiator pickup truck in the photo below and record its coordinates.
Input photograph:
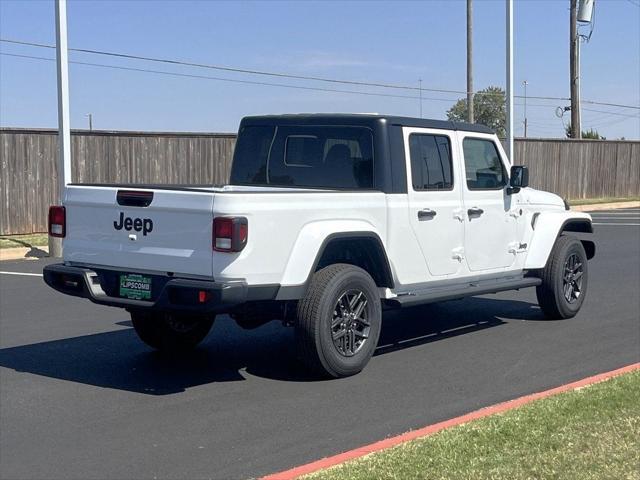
(326, 220)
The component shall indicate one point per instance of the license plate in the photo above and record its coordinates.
(135, 287)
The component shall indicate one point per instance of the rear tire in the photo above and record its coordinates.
(339, 321)
(171, 332)
(564, 279)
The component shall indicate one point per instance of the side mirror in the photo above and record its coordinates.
(518, 179)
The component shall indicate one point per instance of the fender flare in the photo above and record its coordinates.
(548, 226)
(311, 245)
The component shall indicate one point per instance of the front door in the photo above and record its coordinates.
(490, 229)
(435, 198)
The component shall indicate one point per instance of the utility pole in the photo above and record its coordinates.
(64, 132)
(574, 70)
(509, 99)
(90, 116)
(470, 116)
(525, 83)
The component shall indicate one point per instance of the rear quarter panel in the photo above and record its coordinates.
(287, 228)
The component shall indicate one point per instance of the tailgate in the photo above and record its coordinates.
(135, 229)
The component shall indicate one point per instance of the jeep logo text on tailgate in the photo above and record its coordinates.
(144, 225)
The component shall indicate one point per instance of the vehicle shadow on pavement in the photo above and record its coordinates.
(119, 360)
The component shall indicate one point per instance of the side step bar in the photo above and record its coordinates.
(461, 291)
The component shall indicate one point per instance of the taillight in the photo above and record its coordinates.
(230, 234)
(57, 221)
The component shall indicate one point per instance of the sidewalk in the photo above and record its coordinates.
(43, 251)
(26, 253)
(606, 206)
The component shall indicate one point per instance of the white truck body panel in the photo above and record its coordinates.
(180, 241)
(292, 224)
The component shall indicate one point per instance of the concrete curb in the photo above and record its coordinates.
(327, 462)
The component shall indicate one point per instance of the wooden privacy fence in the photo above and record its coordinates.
(582, 168)
(28, 179)
(28, 176)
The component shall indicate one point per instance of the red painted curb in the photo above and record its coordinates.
(436, 427)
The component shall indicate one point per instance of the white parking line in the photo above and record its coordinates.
(636, 224)
(22, 273)
(614, 213)
(617, 218)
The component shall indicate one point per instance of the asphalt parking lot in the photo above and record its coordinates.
(82, 397)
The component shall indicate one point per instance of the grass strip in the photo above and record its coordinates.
(590, 433)
(17, 241)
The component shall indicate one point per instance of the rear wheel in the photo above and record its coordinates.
(564, 279)
(339, 321)
(171, 332)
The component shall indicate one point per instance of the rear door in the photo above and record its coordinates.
(435, 198)
(490, 230)
(135, 229)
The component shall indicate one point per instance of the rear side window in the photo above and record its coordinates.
(250, 156)
(431, 167)
(305, 156)
(483, 166)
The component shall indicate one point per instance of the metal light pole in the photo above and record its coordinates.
(509, 99)
(90, 117)
(64, 132)
(574, 70)
(525, 83)
(470, 113)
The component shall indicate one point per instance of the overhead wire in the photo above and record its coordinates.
(232, 80)
(294, 76)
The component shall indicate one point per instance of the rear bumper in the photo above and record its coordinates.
(168, 293)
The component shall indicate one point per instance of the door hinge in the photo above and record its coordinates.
(457, 254)
(517, 247)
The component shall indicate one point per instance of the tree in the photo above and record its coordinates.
(488, 107)
(589, 134)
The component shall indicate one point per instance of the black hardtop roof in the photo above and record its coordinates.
(365, 119)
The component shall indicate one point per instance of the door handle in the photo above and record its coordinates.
(426, 213)
(475, 212)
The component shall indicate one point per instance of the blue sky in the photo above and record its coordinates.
(391, 42)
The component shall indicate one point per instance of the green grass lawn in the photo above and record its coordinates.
(590, 433)
(32, 240)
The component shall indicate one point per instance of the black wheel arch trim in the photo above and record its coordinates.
(580, 225)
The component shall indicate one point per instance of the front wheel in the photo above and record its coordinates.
(339, 321)
(170, 332)
(564, 279)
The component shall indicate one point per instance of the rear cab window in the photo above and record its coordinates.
(431, 164)
(332, 157)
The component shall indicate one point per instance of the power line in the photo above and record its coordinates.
(270, 84)
(292, 76)
(233, 69)
(632, 115)
(231, 80)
